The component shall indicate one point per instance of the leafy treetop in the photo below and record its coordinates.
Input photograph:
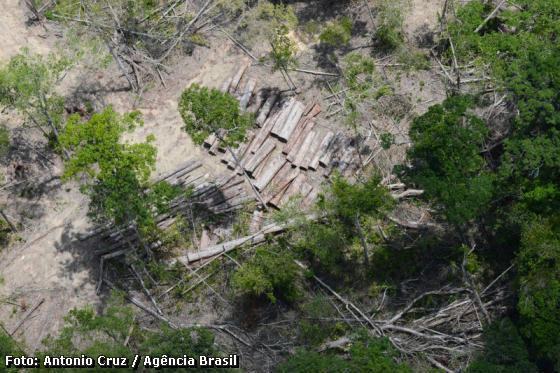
(447, 162)
(206, 111)
(27, 84)
(117, 173)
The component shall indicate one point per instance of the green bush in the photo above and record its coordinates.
(27, 84)
(116, 174)
(447, 162)
(337, 33)
(375, 355)
(87, 332)
(504, 351)
(269, 273)
(207, 111)
(8, 346)
(389, 34)
(283, 49)
(539, 286)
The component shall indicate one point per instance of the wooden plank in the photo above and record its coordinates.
(334, 146)
(293, 189)
(275, 200)
(286, 130)
(271, 169)
(262, 135)
(266, 109)
(214, 148)
(237, 77)
(281, 120)
(210, 140)
(297, 145)
(299, 157)
(256, 221)
(310, 199)
(315, 110)
(284, 177)
(305, 189)
(260, 168)
(247, 93)
(325, 143)
(226, 84)
(295, 138)
(267, 147)
(312, 151)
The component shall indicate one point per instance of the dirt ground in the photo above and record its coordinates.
(49, 262)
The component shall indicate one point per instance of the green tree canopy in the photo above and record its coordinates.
(270, 272)
(206, 111)
(539, 286)
(504, 351)
(27, 84)
(447, 162)
(116, 173)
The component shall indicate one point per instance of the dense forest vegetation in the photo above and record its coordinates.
(490, 179)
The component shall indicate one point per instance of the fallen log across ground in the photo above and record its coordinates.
(225, 247)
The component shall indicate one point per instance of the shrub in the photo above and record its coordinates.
(207, 111)
(504, 351)
(367, 354)
(389, 34)
(539, 286)
(447, 162)
(268, 273)
(337, 33)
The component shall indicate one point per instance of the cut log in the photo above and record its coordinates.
(187, 167)
(261, 167)
(240, 152)
(210, 140)
(267, 147)
(237, 77)
(262, 135)
(312, 151)
(346, 159)
(284, 177)
(305, 190)
(293, 189)
(295, 138)
(275, 201)
(315, 110)
(253, 239)
(256, 221)
(271, 169)
(325, 143)
(284, 130)
(299, 157)
(226, 84)
(310, 125)
(266, 109)
(283, 117)
(247, 94)
(310, 199)
(214, 148)
(333, 147)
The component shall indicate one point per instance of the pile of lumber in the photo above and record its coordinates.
(288, 152)
(224, 194)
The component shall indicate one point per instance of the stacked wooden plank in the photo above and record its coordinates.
(288, 151)
(224, 194)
